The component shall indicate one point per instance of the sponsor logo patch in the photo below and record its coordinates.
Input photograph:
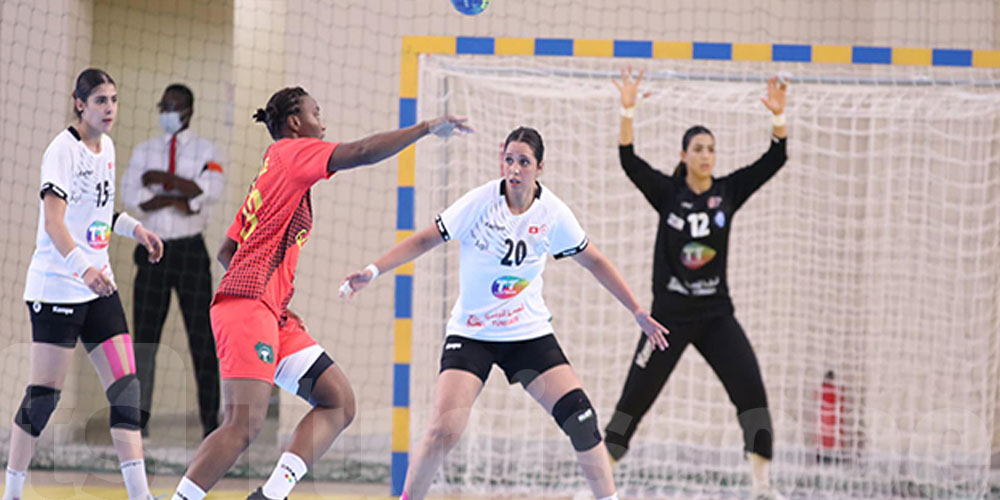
(694, 255)
(98, 235)
(453, 346)
(506, 287)
(675, 222)
(65, 311)
(720, 218)
(714, 201)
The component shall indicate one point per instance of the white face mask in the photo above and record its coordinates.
(171, 122)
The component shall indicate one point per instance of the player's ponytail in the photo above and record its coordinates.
(681, 169)
(280, 106)
(86, 83)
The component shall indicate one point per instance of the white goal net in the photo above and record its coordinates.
(873, 256)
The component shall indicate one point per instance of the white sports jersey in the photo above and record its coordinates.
(86, 180)
(502, 259)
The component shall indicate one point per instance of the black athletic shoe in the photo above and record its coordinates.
(259, 495)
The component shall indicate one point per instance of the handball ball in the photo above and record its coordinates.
(470, 7)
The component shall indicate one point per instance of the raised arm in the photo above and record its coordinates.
(653, 184)
(749, 179)
(404, 251)
(377, 147)
(609, 277)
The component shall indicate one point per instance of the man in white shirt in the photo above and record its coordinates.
(170, 180)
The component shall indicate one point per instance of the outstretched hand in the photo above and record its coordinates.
(629, 88)
(777, 89)
(354, 283)
(447, 125)
(653, 329)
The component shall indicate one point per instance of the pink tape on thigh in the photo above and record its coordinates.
(114, 361)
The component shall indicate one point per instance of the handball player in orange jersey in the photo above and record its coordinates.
(258, 340)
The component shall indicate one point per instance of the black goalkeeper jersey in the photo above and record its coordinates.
(692, 240)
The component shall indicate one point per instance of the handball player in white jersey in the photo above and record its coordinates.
(70, 290)
(506, 228)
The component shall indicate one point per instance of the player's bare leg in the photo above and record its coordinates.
(333, 411)
(548, 388)
(244, 411)
(454, 395)
(49, 366)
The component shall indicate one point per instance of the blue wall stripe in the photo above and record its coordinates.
(796, 53)
(404, 296)
(404, 208)
(400, 461)
(401, 385)
(704, 50)
(951, 57)
(474, 45)
(871, 55)
(407, 111)
(629, 48)
(553, 47)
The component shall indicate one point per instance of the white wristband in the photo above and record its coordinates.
(628, 112)
(373, 269)
(125, 225)
(779, 120)
(77, 262)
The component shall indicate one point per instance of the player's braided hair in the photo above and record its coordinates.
(529, 136)
(280, 106)
(681, 169)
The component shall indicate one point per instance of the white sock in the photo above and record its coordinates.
(612, 497)
(287, 473)
(134, 472)
(187, 490)
(15, 484)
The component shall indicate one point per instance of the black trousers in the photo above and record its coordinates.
(727, 350)
(185, 267)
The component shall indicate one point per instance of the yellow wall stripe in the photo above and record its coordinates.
(673, 50)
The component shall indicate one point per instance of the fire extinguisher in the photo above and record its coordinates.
(830, 404)
(829, 416)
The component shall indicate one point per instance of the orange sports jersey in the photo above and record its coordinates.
(274, 222)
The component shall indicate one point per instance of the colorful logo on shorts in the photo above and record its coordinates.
(506, 287)
(695, 255)
(98, 235)
(264, 352)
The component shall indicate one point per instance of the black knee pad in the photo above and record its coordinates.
(578, 419)
(37, 406)
(123, 395)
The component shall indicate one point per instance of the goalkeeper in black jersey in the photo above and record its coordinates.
(690, 293)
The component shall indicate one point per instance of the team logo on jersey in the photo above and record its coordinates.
(694, 255)
(714, 201)
(36, 306)
(473, 322)
(506, 287)
(98, 235)
(720, 218)
(264, 352)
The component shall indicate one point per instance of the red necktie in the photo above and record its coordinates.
(173, 162)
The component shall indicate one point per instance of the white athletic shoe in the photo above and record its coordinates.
(768, 493)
